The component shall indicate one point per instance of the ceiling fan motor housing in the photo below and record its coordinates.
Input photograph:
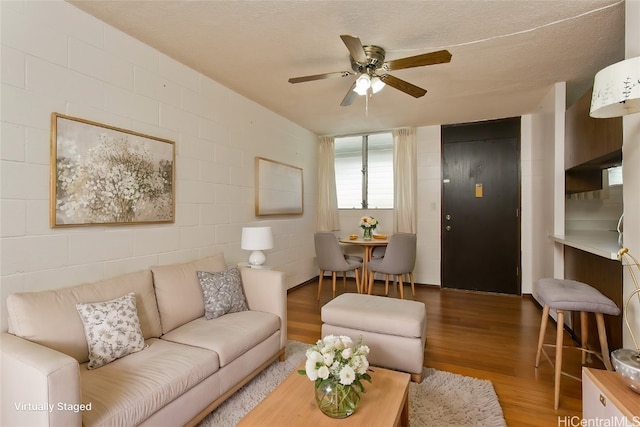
(375, 60)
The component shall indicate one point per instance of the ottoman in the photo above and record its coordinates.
(394, 329)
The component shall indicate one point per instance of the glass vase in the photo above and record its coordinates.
(366, 234)
(336, 400)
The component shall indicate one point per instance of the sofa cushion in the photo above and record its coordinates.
(50, 318)
(178, 290)
(223, 293)
(230, 335)
(112, 329)
(129, 390)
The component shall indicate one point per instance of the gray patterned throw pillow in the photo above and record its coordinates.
(112, 329)
(223, 293)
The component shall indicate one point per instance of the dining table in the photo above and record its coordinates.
(368, 246)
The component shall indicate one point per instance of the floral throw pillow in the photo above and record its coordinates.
(112, 329)
(223, 293)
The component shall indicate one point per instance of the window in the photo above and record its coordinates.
(364, 171)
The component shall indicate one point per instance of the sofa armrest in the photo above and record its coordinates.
(40, 386)
(266, 291)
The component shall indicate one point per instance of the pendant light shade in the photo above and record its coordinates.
(616, 90)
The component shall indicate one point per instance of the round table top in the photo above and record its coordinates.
(362, 242)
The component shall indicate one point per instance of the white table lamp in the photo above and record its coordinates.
(256, 239)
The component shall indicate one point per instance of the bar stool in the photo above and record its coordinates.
(566, 296)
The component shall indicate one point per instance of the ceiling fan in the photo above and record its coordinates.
(368, 61)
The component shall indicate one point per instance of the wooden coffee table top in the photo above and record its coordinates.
(293, 403)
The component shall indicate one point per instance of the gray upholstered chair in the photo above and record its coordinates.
(378, 252)
(399, 259)
(330, 257)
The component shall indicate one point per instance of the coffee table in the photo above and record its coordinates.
(292, 403)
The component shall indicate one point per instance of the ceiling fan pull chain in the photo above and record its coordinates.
(366, 106)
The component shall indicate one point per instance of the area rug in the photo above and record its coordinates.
(442, 399)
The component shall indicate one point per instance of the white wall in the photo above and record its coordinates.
(539, 199)
(56, 58)
(631, 172)
(429, 205)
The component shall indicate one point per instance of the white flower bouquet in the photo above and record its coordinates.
(368, 222)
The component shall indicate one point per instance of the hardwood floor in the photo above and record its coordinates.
(487, 336)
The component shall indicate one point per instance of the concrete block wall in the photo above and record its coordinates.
(56, 58)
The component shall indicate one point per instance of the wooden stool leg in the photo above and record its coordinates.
(604, 346)
(543, 330)
(320, 283)
(401, 286)
(584, 334)
(371, 276)
(386, 285)
(558, 361)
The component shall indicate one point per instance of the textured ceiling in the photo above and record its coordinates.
(506, 53)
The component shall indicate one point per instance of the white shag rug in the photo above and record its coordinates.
(442, 399)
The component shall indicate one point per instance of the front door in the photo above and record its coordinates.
(481, 206)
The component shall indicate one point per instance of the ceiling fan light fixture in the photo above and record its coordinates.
(362, 84)
(377, 84)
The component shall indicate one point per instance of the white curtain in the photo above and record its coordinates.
(405, 180)
(328, 219)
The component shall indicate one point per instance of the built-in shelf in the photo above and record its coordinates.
(601, 242)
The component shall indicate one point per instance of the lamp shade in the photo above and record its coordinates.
(362, 84)
(377, 84)
(616, 90)
(256, 238)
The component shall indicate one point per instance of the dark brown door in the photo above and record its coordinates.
(481, 206)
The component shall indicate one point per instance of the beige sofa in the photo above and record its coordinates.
(189, 366)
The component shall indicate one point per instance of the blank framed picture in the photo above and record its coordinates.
(279, 188)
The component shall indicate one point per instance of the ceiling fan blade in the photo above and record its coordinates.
(355, 48)
(350, 96)
(403, 86)
(438, 57)
(320, 76)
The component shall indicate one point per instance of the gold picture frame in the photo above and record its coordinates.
(279, 188)
(104, 175)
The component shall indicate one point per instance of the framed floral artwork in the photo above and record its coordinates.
(103, 175)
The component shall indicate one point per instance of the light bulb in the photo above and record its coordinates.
(362, 84)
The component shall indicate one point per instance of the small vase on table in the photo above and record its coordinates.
(366, 235)
(336, 400)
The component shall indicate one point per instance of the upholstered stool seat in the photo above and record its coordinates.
(565, 296)
(394, 329)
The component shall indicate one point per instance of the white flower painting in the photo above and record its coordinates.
(106, 175)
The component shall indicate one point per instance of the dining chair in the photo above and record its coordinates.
(378, 252)
(399, 259)
(330, 257)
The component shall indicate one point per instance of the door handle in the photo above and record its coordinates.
(448, 228)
